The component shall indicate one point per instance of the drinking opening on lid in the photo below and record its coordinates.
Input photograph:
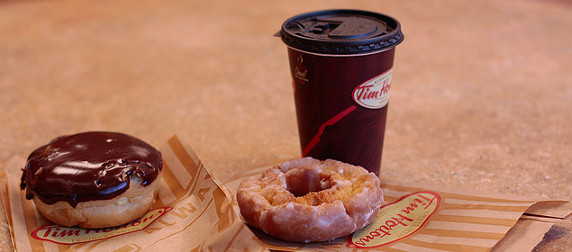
(341, 32)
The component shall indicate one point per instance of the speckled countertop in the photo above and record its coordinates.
(481, 91)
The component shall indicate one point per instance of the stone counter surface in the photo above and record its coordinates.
(481, 91)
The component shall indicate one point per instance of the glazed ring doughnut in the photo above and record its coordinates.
(307, 200)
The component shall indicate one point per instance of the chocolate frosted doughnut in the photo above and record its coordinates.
(93, 179)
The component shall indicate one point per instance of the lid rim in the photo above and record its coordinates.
(350, 46)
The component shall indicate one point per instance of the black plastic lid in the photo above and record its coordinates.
(341, 32)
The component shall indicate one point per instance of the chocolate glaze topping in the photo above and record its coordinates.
(88, 166)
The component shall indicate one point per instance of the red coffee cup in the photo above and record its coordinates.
(341, 63)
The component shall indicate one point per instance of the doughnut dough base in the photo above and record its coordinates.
(307, 200)
(129, 206)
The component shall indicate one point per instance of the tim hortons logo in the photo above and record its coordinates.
(397, 220)
(73, 235)
(374, 93)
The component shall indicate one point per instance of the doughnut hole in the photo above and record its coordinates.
(302, 181)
